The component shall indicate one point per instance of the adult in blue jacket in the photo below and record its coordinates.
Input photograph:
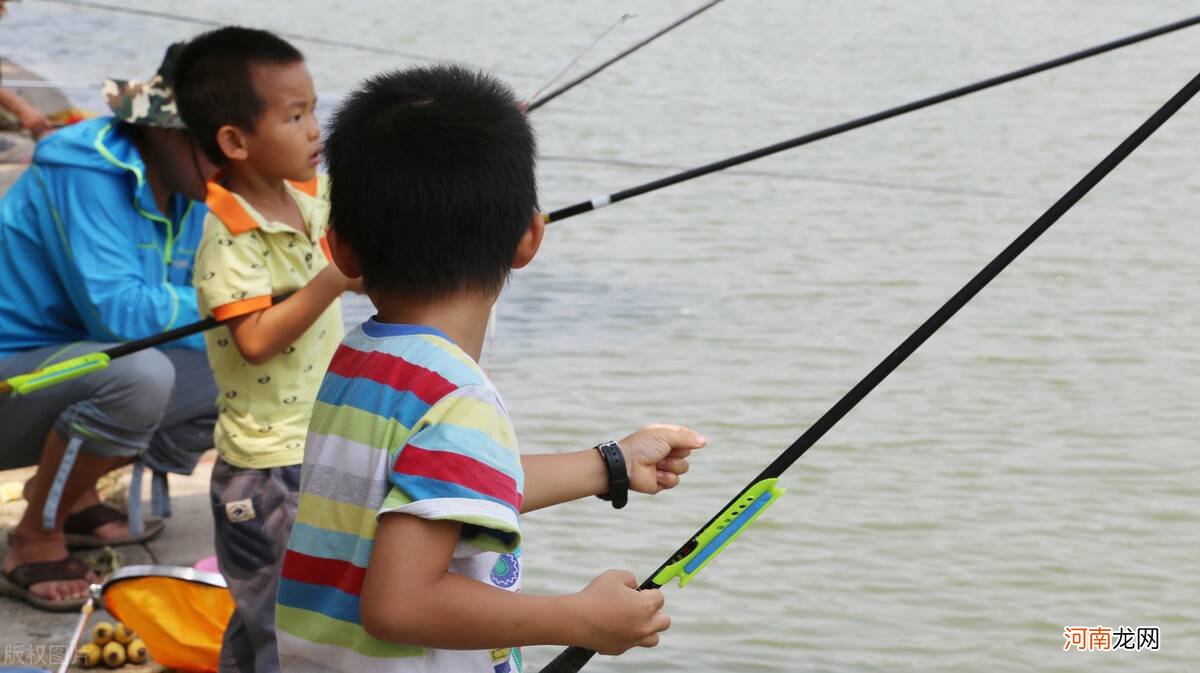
(96, 247)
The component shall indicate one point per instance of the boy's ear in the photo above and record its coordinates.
(232, 142)
(530, 241)
(344, 257)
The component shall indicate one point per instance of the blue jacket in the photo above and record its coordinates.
(85, 253)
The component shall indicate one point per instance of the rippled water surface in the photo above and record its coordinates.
(1033, 466)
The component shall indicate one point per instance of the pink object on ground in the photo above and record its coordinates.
(208, 564)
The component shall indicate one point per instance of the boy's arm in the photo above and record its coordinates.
(655, 456)
(264, 334)
(409, 596)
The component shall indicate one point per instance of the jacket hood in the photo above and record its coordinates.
(101, 144)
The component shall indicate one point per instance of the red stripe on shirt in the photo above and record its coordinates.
(458, 469)
(341, 575)
(394, 372)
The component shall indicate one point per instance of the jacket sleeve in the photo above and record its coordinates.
(116, 283)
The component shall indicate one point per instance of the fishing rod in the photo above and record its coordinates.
(702, 547)
(71, 368)
(604, 200)
(538, 102)
(298, 37)
(570, 64)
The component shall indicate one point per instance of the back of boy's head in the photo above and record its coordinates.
(214, 86)
(432, 180)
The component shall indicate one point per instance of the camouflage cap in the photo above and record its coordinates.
(150, 103)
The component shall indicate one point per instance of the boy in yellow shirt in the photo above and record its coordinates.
(249, 99)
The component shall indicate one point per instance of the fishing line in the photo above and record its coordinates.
(720, 530)
(623, 19)
(313, 39)
(538, 102)
(494, 315)
(832, 179)
(607, 199)
(43, 84)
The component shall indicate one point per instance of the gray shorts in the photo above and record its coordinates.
(160, 405)
(253, 513)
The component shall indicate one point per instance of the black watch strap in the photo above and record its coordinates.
(618, 475)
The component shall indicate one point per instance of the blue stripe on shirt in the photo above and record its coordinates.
(374, 398)
(472, 443)
(328, 601)
(330, 544)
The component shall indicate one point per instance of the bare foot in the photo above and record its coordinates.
(45, 547)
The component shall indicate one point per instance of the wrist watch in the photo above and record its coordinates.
(618, 475)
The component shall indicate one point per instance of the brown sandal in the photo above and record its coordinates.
(81, 526)
(16, 583)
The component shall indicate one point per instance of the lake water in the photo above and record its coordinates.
(1033, 466)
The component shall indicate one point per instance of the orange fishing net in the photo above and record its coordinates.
(181, 621)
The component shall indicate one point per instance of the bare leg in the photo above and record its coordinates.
(32, 544)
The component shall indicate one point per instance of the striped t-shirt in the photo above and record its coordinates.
(405, 421)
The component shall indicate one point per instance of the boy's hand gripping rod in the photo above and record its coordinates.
(66, 370)
(721, 530)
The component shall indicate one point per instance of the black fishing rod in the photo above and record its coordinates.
(538, 102)
(601, 201)
(23, 384)
(748, 504)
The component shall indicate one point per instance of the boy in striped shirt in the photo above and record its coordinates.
(406, 555)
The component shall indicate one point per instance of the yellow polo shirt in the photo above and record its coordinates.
(243, 260)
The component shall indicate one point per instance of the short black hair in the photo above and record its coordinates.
(213, 85)
(432, 179)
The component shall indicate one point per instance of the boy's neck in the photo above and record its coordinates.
(463, 316)
(268, 195)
